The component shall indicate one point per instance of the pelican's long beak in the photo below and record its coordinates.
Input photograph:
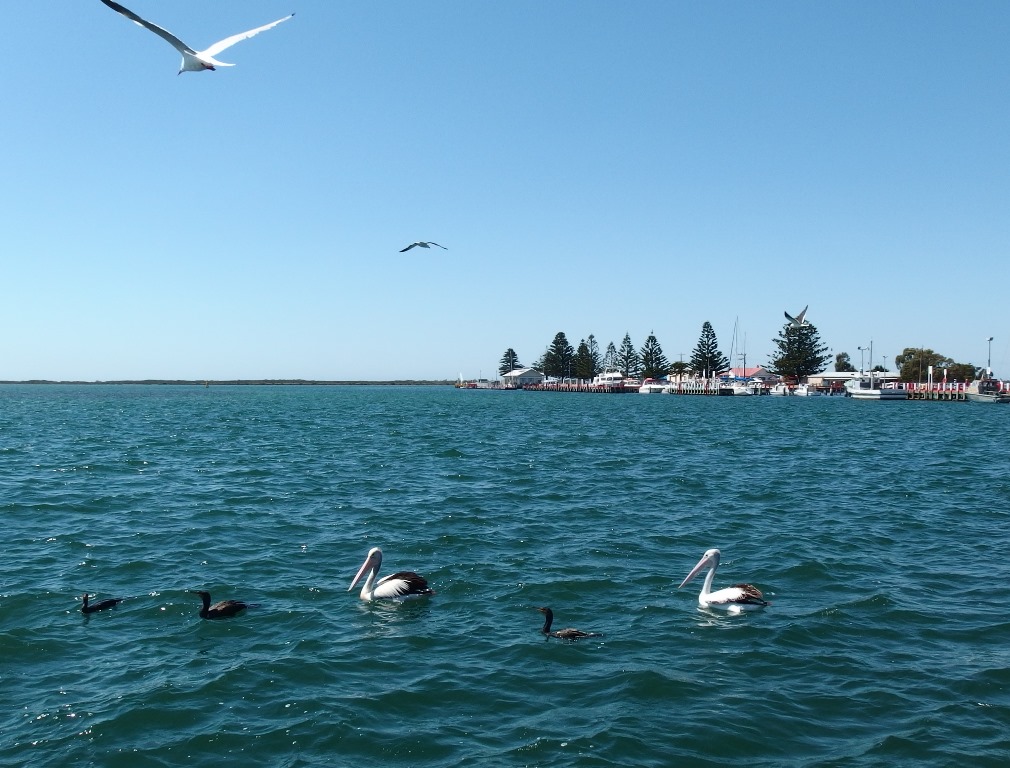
(365, 568)
(706, 559)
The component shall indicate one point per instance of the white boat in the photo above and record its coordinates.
(987, 391)
(609, 379)
(781, 390)
(651, 387)
(870, 387)
(735, 388)
(805, 390)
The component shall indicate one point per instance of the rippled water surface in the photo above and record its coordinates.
(879, 531)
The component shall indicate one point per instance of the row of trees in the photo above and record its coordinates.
(913, 365)
(800, 354)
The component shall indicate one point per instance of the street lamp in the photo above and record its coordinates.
(988, 360)
(861, 351)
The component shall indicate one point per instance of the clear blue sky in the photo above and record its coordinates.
(593, 167)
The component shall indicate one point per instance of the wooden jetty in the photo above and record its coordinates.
(936, 392)
(942, 392)
(687, 387)
(565, 386)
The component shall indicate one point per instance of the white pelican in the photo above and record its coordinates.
(397, 586)
(798, 321)
(194, 61)
(563, 634)
(423, 244)
(739, 597)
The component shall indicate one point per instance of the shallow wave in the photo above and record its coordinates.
(877, 542)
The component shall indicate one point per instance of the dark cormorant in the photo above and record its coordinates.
(221, 610)
(99, 606)
(563, 634)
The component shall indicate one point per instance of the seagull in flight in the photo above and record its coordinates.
(421, 244)
(797, 322)
(193, 61)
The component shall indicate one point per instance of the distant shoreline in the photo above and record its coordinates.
(251, 382)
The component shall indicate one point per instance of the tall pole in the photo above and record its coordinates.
(861, 351)
(988, 360)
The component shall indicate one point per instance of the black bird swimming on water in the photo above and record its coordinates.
(99, 606)
(221, 610)
(563, 634)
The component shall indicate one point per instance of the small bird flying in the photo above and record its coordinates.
(799, 321)
(192, 60)
(421, 244)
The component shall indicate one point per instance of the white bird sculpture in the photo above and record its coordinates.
(739, 597)
(194, 61)
(420, 244)
(799, 321)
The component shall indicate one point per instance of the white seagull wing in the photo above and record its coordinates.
(412, 245)
(228, 42)
(164, 34)
(430, 242)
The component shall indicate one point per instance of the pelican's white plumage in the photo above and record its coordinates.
(193, 60)
(739, 597)
(423, 244)
(799, 321)
(397, 586)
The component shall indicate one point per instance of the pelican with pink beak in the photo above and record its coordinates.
(402, 585)
(739, 597)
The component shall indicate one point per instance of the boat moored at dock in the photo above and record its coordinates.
(987, 390)
(806, 390)
(871, 387)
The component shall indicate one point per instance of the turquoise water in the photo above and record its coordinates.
(877, 530)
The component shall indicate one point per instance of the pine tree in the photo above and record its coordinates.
(628, 361)
(801, 352)
(558, 357)
(594, 356)
(707, 360)
(609, 358)
(509, 362)
(654, 362)
(582, 363)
